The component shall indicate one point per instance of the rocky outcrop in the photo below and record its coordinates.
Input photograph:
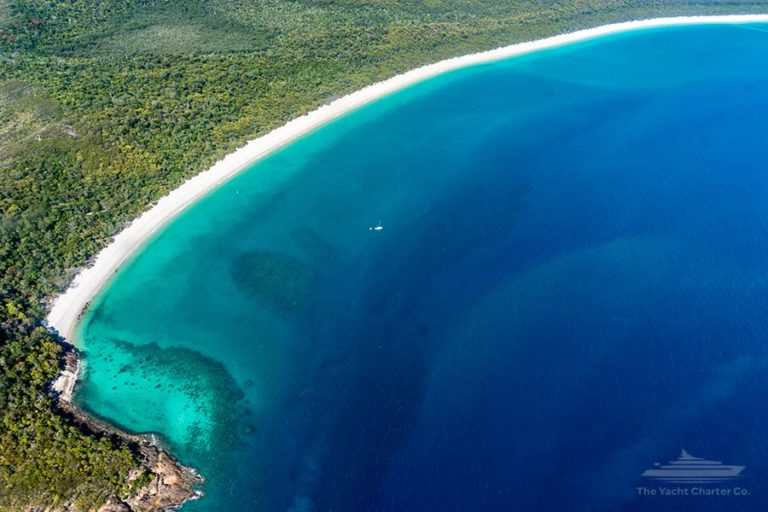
(114, 505)
(171, 483)
(64, 384)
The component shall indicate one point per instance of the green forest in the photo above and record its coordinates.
(107, 105)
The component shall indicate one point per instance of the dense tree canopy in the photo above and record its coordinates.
(105, 106)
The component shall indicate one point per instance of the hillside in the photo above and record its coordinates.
(105, 106)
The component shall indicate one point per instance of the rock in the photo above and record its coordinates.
(114, 505)
(172, 485)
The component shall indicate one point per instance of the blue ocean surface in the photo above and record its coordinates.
(571, 285)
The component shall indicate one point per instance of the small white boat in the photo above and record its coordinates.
(377, 227)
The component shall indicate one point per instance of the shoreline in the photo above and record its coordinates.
(172, 485)
(67, 308)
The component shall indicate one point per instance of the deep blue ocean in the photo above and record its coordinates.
(571, 285)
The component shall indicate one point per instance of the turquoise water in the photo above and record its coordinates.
(571, 285)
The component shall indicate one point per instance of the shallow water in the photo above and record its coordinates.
(571, 285)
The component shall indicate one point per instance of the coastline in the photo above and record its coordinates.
(68, 307)
(172, 484)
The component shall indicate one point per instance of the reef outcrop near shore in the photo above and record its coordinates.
(171, 484)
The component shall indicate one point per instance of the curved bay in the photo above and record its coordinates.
(570, 286)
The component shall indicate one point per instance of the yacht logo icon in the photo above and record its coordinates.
(688, 469)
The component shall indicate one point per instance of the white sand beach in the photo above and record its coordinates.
(67, 308)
